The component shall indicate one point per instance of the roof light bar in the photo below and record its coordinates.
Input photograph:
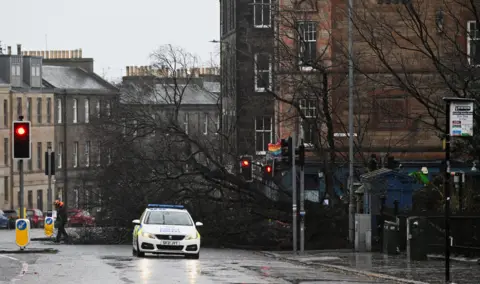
(165, 206)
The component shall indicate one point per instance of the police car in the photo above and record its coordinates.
(166, 229)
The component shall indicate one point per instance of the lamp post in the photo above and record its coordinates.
(351, 206)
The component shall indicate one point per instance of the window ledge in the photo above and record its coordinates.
(262, 26)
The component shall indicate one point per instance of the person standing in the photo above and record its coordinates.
(61, 221)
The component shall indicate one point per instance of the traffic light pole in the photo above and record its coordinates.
(49, 169)
(302, 206)
(22, 205)
(294, 194)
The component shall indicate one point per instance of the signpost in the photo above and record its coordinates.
(48, 226)
(458, 123)
(22, 233)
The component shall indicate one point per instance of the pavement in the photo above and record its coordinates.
(115, 264)
(397, 268)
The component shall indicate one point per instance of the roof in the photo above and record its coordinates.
(170, 94)
(67, 77)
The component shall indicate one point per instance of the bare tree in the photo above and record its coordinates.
(162, 144)
(417, 52)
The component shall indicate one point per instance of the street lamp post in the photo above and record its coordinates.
(351, 206)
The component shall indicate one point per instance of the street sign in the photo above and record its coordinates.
(22, 232)
(461, 118)
(48, 226)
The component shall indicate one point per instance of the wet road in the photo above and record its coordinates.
(115, 264)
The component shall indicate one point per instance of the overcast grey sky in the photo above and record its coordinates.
(116, 33)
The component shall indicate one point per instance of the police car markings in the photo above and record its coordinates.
(24, 267)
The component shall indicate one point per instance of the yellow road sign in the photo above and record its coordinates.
(22, 232)
(48, 226)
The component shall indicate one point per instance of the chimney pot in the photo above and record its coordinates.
(80, 53)
(19, 49)
(75, 53)
(128, 71)
(9, 50)
(42, 54)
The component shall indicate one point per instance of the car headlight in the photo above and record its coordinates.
(193, 236)
(148, 235)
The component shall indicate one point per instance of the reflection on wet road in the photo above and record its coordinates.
(114, 264)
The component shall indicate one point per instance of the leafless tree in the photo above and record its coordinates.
(163, 144)
(420, 52)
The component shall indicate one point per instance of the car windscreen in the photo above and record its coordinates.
(30, 213)
(168, 218)
(10, 213)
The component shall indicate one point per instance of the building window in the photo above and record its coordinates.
(263, 134)
(39, 155)
(217, 124)
(49, 110)
(134, 126)
(60, 155)
(109, 156)
(29, 109)
(87, 110)
(87, 154)
(99, 154)
(98, 109)
(6, 189)
(109, 109)
(154, 126)
(263, 71)
(59, 110)
(5, 113)
(39, 110)
(473, 43)
(186, 122)
(75, 154)
(19, 107)
(307, 43)
(205, 124)
(308, 107)
(391, 112)
(262, 14)
(75, 110)
(30, 199)
(6, 149)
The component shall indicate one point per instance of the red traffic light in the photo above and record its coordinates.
(20, 130)
(245, 163)
(268, 169)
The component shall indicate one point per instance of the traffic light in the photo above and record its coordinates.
(21, 140)
(268, 172)
(246, 168)
(301, 154)
(284, 148)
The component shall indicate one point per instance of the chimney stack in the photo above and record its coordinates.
(9, 50)
(80, 53)
(19, 49)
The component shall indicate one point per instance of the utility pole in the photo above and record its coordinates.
(351, 206)
(446, 188)
(294, 191)
(302, 202)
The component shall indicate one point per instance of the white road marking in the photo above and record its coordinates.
(22, 272)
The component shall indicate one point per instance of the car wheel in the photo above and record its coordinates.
(139, 253)
(193, 256)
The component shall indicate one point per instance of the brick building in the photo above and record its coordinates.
(390, 113)
(24, 93)
(81, 98)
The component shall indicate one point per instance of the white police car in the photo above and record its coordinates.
(166, 229)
